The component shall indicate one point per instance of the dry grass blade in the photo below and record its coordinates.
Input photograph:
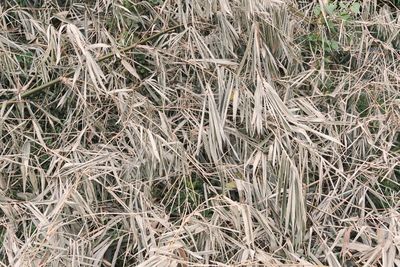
(199, 133)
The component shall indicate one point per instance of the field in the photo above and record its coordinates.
(200, 133)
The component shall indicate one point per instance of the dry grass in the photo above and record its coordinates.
(199, 133)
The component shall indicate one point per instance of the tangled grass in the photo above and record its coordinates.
(199, 133)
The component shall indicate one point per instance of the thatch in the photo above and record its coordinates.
(199, 133)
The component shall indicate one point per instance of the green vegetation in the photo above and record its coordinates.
(199, 133)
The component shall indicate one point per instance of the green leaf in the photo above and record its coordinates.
(343, 5)
(331, 26)
(334, 45)
(317, 10)
(345, 16)
(355, 8)
(331, 8)
(313, 37)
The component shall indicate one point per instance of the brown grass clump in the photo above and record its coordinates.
(199, 133)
